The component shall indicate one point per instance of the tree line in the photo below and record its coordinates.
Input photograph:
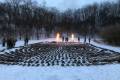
(24, 18)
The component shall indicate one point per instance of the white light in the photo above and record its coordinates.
(72, 37)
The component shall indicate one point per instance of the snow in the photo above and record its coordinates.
(1, 48)
(21, 43)
(113, 48)
(106, 72)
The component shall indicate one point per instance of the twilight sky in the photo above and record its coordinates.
(64, 4)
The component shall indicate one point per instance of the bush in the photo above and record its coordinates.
(111, 34)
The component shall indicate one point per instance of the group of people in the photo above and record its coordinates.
(66, 39)
(11, 42)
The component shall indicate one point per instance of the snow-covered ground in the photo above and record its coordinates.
(21, 43)
(107, 72)
(103, 45)
(116, 49)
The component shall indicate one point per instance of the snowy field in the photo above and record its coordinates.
(21, 43)
(107, 72)
(104, 72)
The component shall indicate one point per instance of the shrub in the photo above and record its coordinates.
(111, 34)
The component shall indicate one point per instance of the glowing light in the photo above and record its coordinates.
(72, 37)
(58, 37)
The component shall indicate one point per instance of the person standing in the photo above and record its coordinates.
(78, 39)
(66, 39)
(26, 41)
(3, 42)
(14, 42)
(63, 39)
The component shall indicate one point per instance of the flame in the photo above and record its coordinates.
(58, 37)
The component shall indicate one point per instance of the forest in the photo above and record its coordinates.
(24, 18)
